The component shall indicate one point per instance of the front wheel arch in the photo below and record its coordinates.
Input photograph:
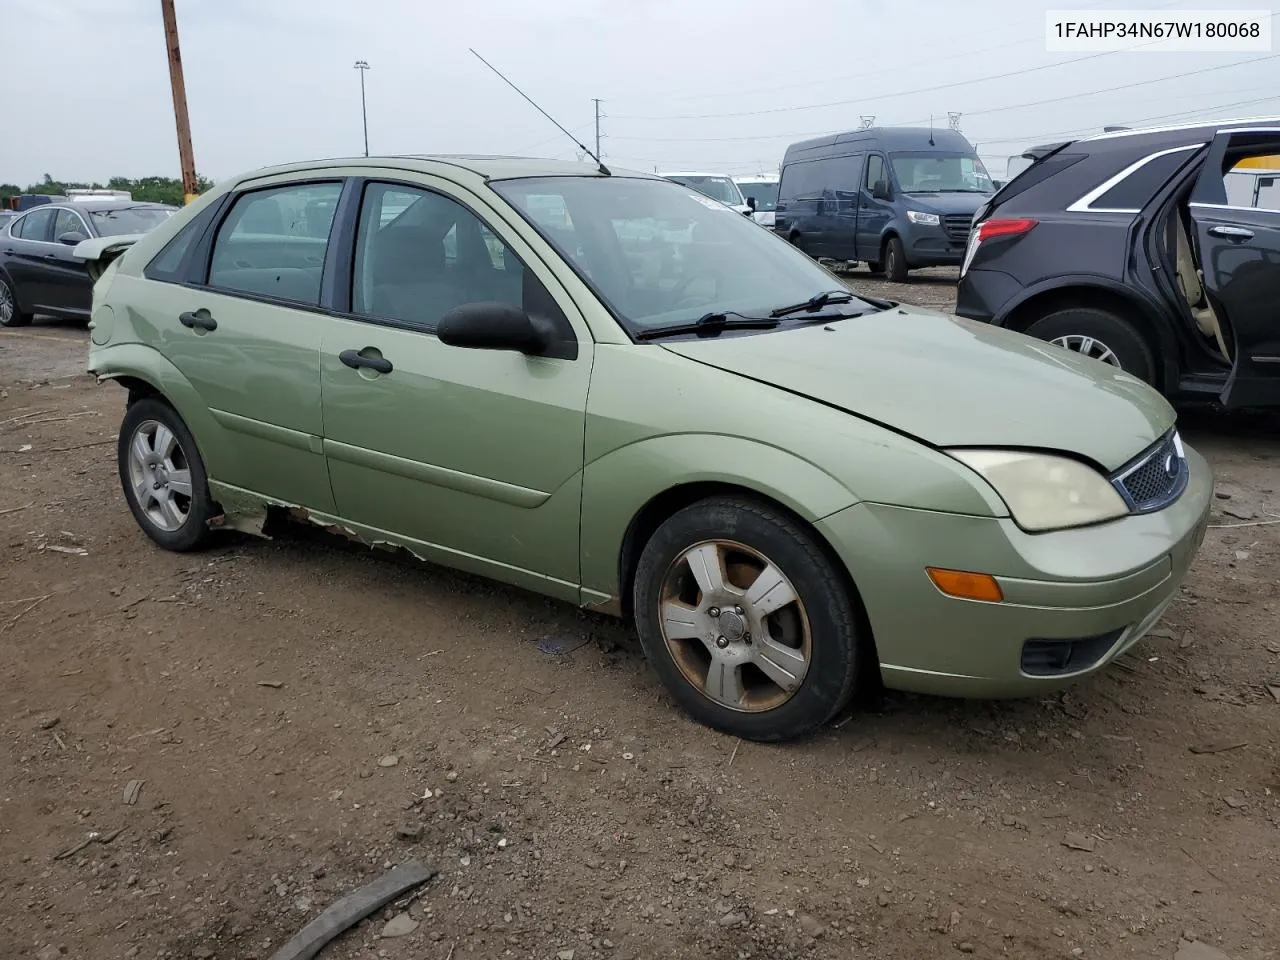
(671, 501)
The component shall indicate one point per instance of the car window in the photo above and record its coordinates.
(273, 242)
(419, 254)
(169, 263)
(126, 220)
(658, 253)
(802, 180)
(766, 194)
(938, 172)
(35, 225)
(875, 171)
(717, 188)
(1136, 190)
(68, 221)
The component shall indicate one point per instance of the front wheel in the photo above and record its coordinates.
(163, 476)
(894, 259)
(747, 622)
(1099, 334)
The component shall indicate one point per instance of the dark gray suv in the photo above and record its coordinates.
(1157, 251)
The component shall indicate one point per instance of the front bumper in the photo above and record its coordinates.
(931, 246)
(1110, 581)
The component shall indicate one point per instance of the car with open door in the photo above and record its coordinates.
(39, 273)
(1154, 250)
(610, 389)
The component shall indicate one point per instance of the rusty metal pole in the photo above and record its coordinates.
(190, 190)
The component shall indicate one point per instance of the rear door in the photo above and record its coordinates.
(25, 248)
(1239, 254)
(243, 324)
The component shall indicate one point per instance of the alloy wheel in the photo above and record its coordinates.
(735, 626)
(1089, 346)
(160, 476)
(7, 307)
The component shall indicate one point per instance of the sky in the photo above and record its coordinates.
(684, 84)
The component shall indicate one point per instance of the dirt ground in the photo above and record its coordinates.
(297, 715)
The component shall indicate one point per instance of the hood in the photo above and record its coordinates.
(945, 202)
(952, 382)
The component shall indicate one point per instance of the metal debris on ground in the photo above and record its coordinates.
(1218, 747)
(554, 646)
(131, 791)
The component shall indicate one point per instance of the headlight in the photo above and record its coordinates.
(928, 219)
(1046, 492)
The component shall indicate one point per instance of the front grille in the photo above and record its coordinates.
(1155, 478)
(1052, 658)
(957, 226)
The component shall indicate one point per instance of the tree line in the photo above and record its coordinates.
(149, 189)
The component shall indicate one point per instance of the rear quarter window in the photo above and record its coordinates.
(1136, 190)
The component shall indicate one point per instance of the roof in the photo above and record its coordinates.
(486, 167)
(1207, 127)
(887, 138)
(694, 173)
(758, 178)
(105, 203)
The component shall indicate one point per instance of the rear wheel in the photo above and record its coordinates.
(894, 258)
(10, 314)
(746, 621)
(1099, 334)
(163, 476)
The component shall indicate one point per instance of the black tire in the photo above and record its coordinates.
(894, 260)
(825, 605)
(875, 266)
(14, 317)
(1129, 347)
(139, 423)
(797, 241)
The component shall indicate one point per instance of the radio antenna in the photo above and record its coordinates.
(581, 146)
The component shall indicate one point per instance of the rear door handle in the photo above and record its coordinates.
(198, 320)
(1235, 234)
(355, 360)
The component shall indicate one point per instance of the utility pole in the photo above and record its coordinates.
(363, 66)
(186, 156)
(596, 101)
(953, 120)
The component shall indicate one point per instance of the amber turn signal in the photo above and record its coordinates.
(966, 585)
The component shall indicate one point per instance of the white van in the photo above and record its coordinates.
(764, 192)
(714, 185)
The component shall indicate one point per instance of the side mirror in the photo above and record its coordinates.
(881, 191)
(751, 202)
(72, 237)
(493, 326)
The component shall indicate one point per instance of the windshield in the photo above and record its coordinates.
(940, 173)
(717, 188)
(128, 220)
(766, 194)
(657, 253)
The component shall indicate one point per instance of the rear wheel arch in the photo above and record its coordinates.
(1142, 316)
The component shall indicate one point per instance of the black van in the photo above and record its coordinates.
(894, 197)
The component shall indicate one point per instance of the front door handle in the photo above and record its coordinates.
(1234, 234)
(355, 360)
(197, 320)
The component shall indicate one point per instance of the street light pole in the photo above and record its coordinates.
(363, 66)
(186, 155)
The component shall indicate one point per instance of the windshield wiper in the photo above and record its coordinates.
(814, 303)
(710, 324)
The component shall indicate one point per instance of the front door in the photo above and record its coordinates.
(244, 330)
(26, 247)
(1239, 254)
(70, 287)
(874, 213)
(469, 457)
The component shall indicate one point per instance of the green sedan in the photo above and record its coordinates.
(606, 388)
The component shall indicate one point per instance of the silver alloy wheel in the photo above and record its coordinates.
(1089, 346)
(7, 306)
(160, 475)
(735, 626)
